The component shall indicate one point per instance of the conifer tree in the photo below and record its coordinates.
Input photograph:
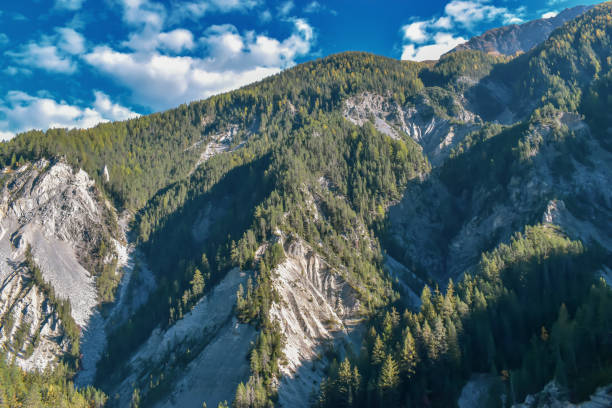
(408, 360)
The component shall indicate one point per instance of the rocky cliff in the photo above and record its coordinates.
(56, 214)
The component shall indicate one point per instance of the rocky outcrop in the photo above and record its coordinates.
(509, 40)
(31, 329)
(201, 358)
(218, 143)
(317, 309)
(57, 212)
(554, 396)
(436, 133)
(445, 234)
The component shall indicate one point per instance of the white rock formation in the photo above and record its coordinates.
(54, 210)
(317, 307)
(210, 339)
(437, 135)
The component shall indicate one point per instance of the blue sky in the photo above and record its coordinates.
(75, 63)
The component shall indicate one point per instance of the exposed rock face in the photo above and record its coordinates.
(25, 309)
(445, 234)
(476, 391)
(509, 40)
(205, 354)
(202, 356)
(56, 212)
(554, 396)
(137, 282)
(218, 143)
(437, 134)
(317, 307)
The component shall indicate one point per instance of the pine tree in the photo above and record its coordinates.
(197, 283)
(345, 384)
(255, 364)
(378, 352)
(388, 381)
(427, 307)
(408, 359)
(241, 400)
(135, 402)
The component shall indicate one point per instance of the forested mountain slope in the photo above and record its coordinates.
(295, 242)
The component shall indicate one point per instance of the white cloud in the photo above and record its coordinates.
(176, 40)
(232, 60)
(69, 4)
(24, 112)
(47, 57)
(109, 110)
(144, 12)
(53, 53)
(550, 14)
(443, 43)
(70, 41)
(443, 22)
(415, 32)
(150, 39)
(3, 39)
(469, 13)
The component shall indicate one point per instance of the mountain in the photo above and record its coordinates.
(516, 38)
(354, 231)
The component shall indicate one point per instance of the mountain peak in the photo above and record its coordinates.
(510, 39)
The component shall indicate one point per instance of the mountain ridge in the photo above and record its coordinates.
(359, 180)
(519, 38)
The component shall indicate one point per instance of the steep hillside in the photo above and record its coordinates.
(519, 38)
(281, 232)
(59, 248)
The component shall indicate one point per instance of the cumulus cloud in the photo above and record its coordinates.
(24, 112)
(47, 57)
(443, 43)
(415, 32)
(111, 111)
(468, 13)
(143, 12)
(176, 40)
(233, 59)
(550, 14)
(70, 41)
(150, 39)
(52, 53)
(429, 39)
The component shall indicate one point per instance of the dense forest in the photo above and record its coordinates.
(47, 389)
(523, 314)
